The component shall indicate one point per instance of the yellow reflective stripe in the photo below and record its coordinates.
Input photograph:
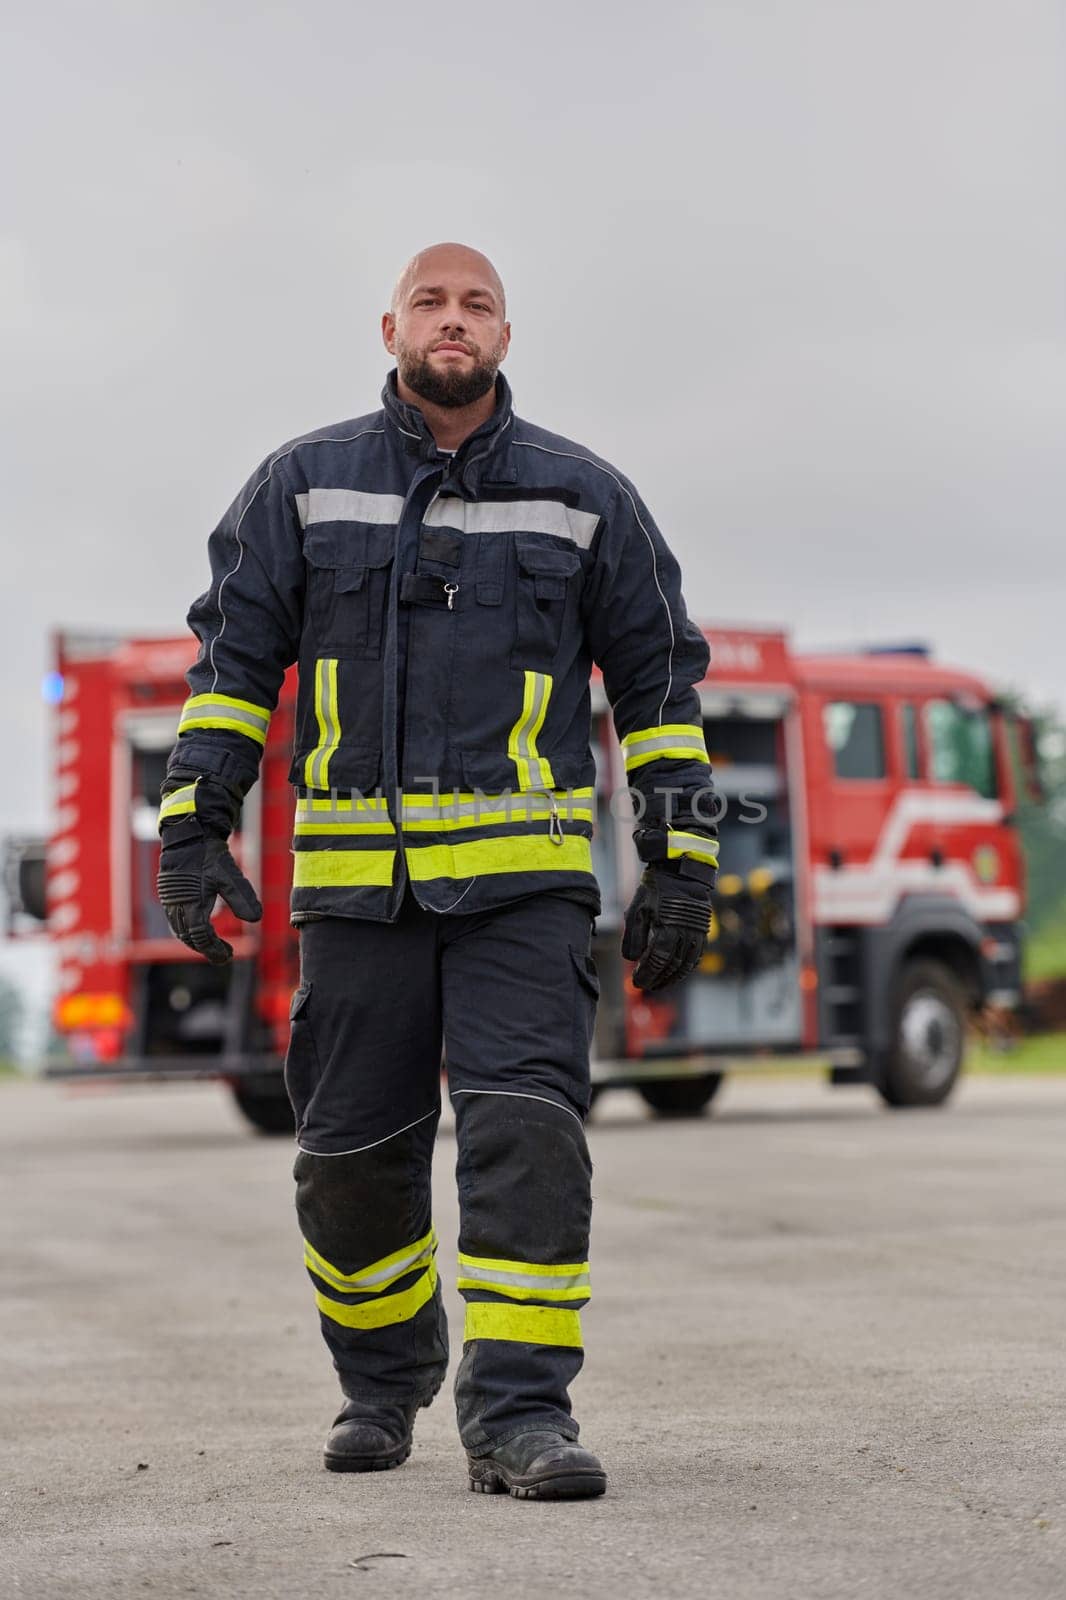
(673, 741)
(511, 853)
(341, 869)
(526, 1269)
(378, 1275)
(180, 802)
(327, 715)
(224, 711)
(523, 1324)
(534, 771)
(324, 829)
(691, 844)
(382, 1313)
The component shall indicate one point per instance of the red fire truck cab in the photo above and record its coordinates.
(869, 902)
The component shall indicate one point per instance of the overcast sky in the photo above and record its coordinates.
(798, 268)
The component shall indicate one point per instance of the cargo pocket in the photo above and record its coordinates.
(348, 568)
(545, 590)
(302, 1070)
(338, 726)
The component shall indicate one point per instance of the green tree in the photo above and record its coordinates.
(11, 1014)
(1043, 835)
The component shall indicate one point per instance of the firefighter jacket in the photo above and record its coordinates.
(445, 613)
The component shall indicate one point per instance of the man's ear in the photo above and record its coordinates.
(388, 332)
(505, 338)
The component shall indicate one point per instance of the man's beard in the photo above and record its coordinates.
(450, 389)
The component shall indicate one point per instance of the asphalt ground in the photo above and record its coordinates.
(826, 1357)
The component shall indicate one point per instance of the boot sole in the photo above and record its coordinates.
(336, 1461)
(561, 1486)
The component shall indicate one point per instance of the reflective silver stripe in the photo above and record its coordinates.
(370, 811)
(180, 802)
(511, 802)
(691, 844)
(515, 516)
(316, 767)
(524, 1280)
(319, 817)
(395, 1267)
(669, 741)
(347, 505)
(522, 744)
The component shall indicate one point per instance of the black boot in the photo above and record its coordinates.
(369, 1438)
(538, 1466)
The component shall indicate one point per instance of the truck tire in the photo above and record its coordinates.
(680, 1097)
(928, 1036)
(266, 1105)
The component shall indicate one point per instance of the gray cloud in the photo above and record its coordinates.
(796, 268)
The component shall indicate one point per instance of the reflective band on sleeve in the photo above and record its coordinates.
(523, 1324)
(512, 853)
(673, 741)
(376, 1277)
(316, 767)
(534, 771)
(179, 803)
(381, 1313)
(342, 869)
(223, 711)
(691, 844)
(520, 1280)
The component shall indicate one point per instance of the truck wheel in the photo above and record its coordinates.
(680, 1097)
(266, 1105)
(928, 1037)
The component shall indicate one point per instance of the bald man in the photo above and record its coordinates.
(445, 575)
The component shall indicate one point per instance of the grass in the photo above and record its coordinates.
(1045, 952)
(1043, 1053)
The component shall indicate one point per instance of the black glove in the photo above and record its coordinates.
(194, 868)
(666, 927)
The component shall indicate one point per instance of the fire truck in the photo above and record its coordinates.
(868, 908)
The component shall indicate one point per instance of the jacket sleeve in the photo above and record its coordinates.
(652, 656)
(248, 622)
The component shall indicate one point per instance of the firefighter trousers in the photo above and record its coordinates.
(510, 994)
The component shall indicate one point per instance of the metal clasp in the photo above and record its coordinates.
(555, 826)
(451, 590)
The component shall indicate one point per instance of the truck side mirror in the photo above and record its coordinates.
(24, 877)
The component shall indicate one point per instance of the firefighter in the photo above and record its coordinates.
(445, 574)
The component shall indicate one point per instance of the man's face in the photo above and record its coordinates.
(446, 328)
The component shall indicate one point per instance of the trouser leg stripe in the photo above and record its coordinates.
(544, 1325)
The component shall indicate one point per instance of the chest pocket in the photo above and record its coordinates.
(546, 594)
(348, 570)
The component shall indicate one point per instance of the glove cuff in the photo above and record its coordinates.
(213, 805)
(653, 848)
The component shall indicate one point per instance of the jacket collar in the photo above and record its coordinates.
(474, 456)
